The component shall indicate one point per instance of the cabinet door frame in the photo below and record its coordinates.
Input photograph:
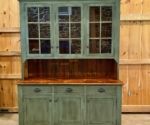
(56, 39)
(58, 97)
(100, 55)
(47, 98)
(26, 37)
(114, 100)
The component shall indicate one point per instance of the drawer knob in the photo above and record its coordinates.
(37, 90)
(101, 90)
(69, 90)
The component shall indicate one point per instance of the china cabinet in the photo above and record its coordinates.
(70, 55)
(69, 29)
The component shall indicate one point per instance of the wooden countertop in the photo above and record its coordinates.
(70, 82)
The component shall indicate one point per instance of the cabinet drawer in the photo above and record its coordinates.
(37, 89)
(101, 90)
(69, 89)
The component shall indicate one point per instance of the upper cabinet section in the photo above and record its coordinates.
(72, 29)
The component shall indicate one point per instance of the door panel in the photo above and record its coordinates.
(100, 111)
(38, 111)
(69, 21)
(100, 35)
(69, 110)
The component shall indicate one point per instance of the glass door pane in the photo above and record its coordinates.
(100, 29)
(69, 20)
(39, 26)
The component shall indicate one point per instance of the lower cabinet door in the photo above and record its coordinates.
(68, 110)
(38, 110)
(101, 111)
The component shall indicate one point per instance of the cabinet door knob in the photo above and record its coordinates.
(101, 90)
(37, 90)
(69, 90)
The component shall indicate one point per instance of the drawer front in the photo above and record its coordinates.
(69, 89)
(37, 89)
(101, 90)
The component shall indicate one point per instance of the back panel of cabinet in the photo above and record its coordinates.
(71, 69)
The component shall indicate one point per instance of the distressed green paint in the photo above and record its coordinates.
(84, 28)
(100, 110)
(55, 105)
(118, 105)
(68, 109)
(38, 110)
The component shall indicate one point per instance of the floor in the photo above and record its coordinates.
(127, 119)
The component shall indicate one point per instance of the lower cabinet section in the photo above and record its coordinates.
(68, 110)
(69, 105)
(100, 111)
(37, 110)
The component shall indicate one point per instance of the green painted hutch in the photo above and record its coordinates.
(70, 56)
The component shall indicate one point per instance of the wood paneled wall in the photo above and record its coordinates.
(10, 61)
(134, 54)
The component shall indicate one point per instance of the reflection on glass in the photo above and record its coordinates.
(76, 46)
(106, 46)
(94, 30)
(69, 27)
(63, 14)
(94, 14)
(94, 46)
(64, 30)
(44, 30)
(45, 46)
(106, 30)
(75, 30)
(75, 14)
(33, 46)
(33, 30)
(63, 11)
(32, 14)
(64, 46)
(44, 14)
(106, 13)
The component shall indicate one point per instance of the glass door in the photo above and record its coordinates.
(69, 40)
(100, 30)
(39, 30)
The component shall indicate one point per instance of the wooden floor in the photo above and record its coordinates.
(127, 119)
